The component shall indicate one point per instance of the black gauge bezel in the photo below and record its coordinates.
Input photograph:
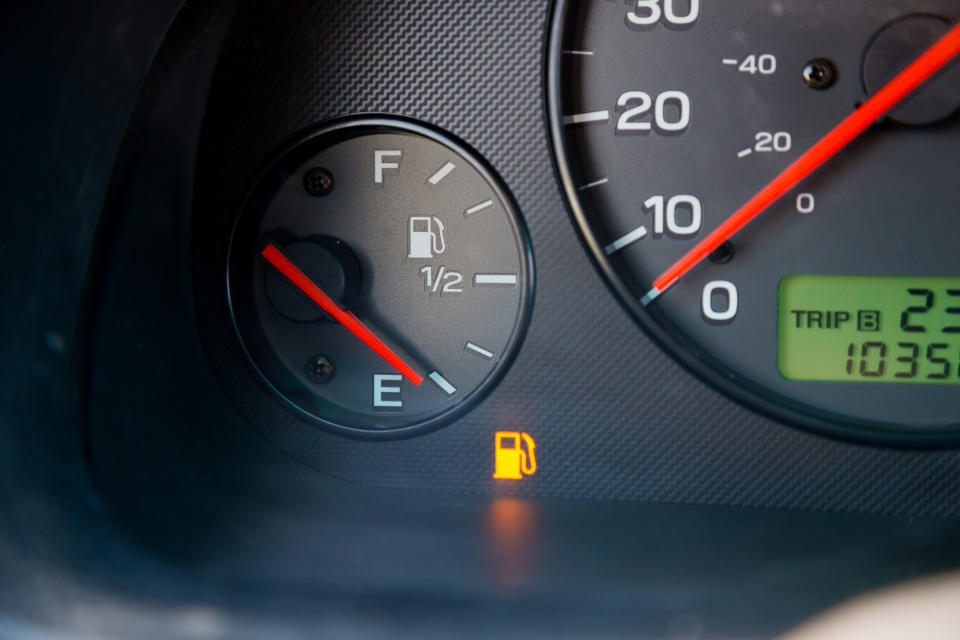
(690, 355)
(287, 159)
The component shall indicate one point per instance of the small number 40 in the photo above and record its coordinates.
(765, 64)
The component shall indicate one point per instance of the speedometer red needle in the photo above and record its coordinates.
(299, 279)
(929, 62)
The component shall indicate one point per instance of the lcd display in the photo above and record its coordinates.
(869, 329)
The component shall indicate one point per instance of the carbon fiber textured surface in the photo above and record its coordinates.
(612, 415)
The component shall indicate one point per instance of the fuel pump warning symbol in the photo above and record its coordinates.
(426, 237)
(514, 456)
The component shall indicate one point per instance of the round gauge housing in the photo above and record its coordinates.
(379, 277)
(838, 308)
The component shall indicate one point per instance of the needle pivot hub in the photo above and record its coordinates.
(326, 261)
(891, 49)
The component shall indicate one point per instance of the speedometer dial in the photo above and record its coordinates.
(772, 189)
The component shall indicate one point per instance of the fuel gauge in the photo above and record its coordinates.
(379, 277)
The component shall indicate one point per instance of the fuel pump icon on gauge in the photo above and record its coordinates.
(426, 237)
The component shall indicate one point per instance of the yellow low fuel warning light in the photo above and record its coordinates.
(514, 455)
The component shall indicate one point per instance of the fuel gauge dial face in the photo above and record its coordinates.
(379, 277)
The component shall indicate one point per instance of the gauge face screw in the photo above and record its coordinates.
(320, 369)
(819, 74)
(723, 254)
(318, 182)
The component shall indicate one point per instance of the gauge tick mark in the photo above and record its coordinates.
(494, 279)
(441, 173)
(595, 183)
(478, 350)
(442, 382)
(584, 118)
(650, 296)
(637, 234)
(477, 208)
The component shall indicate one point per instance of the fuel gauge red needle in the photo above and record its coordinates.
(929, 62)
(291, 272)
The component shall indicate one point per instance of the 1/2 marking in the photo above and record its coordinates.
(443, 281)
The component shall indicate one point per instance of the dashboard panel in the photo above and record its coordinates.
(657, 506)
(610, 412)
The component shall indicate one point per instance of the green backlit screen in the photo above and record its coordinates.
(869, 329)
